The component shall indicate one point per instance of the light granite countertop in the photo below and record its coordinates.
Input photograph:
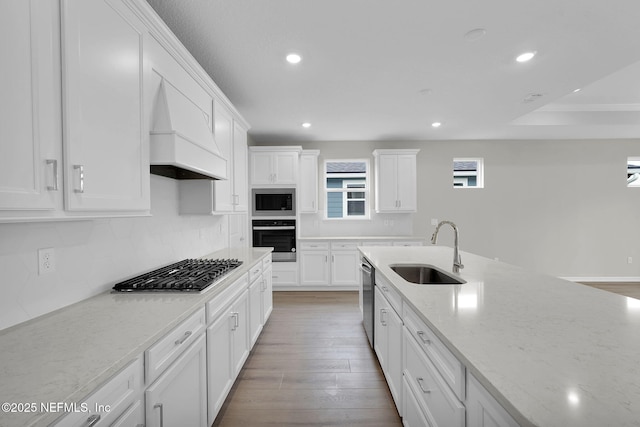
(552, 352)
(63, 356)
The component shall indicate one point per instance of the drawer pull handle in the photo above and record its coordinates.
(93, 420)
(54, 165)
(159, 405)
(184, 338)
(236, 321)
(384, 288)
(80, 169)
(382, 313)
(422, 338)
(420, 383)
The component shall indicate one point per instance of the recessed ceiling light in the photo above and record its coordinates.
(475, 34)
(306, 125)
(576, 90)
(525, 56)
(436, 124)
(293, 58)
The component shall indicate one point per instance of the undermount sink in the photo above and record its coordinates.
(423, 274)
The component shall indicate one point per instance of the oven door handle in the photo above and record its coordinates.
(284, 227)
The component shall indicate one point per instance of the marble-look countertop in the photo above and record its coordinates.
(63, 356)
(552, 352)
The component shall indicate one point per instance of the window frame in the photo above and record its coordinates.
(345, 190)
(635, 160)
(479, 173)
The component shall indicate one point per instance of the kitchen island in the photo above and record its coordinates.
(549, 351)
(61, 357)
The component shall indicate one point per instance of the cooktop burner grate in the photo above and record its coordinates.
(189, 275)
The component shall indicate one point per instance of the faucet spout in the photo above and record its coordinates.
(457, 260)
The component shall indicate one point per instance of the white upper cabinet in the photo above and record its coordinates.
(396, 180)
(105, 132)
(308, 194)
(240, 196)
(30, 135)
(274, 165)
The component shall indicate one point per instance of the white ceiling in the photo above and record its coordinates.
(387, 69)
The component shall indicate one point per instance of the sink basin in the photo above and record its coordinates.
(423, 274)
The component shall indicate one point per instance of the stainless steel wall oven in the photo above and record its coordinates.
(280, 234)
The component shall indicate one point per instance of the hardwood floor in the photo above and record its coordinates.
(629, 289)
(311, 366)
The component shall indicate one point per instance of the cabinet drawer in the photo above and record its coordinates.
(441, 407)
(389, 292)
(313, 246)
(408, 243)
(344, 246)
(266, 262)
(110, 400)
(255, 272)
(160, 355)
(412, 415)
(445, 362)
(215, 306)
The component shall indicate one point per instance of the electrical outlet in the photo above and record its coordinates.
(46, 261)
(629, 260)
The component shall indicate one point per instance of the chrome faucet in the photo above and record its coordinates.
(457, 261)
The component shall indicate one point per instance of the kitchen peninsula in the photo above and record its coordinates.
(549, 351)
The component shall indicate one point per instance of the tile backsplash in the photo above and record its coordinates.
(91, 255)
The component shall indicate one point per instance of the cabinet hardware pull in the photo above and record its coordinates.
(184, 338)
(236, 321)
(420, 381)
(80, 169)
(54, 164)
(424, 340)
(93, 420)
(159, 405)
(382, 313)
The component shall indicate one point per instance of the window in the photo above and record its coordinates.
(347, 189)
(633, 172)
(468, 173)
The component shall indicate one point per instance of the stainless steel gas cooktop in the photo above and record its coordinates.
(189, 275)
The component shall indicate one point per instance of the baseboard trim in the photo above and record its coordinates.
(603, 279)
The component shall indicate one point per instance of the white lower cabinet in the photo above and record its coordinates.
(412, 414)
(483, 410)
(179, 396)
(255, 306)
(314, 267)
(132, 417)
(388, 345)
(111, 400)
(267, 291)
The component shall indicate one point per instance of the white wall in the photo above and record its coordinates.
(559, 207)
(91, 256)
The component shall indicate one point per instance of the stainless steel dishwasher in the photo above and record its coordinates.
(368, 283)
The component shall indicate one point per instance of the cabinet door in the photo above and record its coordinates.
(267, 294)
(179, 396)
(261, 168)
(407, 183)
(386, 183)
(482, 409)
(223, 189)
(240, 178)
(380, 318)
(240, 329)
(30, 135)
(134, 416)
(255, 310)
(220, 368)
(314, 268)
(394, 357)
(345, 268)
(285, 168)
(105, 135)
(308, 194)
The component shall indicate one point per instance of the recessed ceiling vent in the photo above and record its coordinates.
(182, 145)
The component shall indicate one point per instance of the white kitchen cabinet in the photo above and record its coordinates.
(482, 409)
(238, 229)
(255, 303)
(179, 395)
(110, 401)
(30, 135)
(395, 180)
(106, 135)
(412, 414)
(314, 267)
(387, 330)
(274, 165)
(267, 291)
(240, 175)
(285, 274)
(132, 417)
(345, 264)
(308, 194)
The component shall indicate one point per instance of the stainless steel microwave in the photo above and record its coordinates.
(274, 201)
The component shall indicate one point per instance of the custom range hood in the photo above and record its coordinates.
(182, 145)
